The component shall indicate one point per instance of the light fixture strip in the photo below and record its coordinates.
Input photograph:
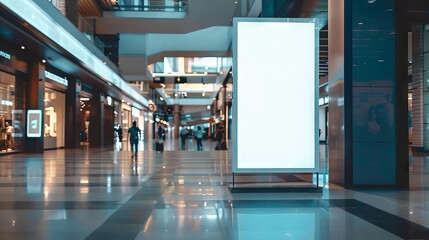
(40, 20)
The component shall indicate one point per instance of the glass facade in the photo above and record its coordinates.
(373, 91)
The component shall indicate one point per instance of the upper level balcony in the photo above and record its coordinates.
(144, 5)
(144, 8)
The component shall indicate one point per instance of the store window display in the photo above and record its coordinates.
(9, 141)
(53, 128)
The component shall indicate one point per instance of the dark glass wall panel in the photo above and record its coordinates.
(373, 83)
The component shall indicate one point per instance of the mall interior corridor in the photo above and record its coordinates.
(94, 193)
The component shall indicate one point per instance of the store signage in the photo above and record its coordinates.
(151, 106)
(159, 80)
(135, 112)
(5, 55)
(6, 103)
(109, 101)
(180, 80)
(34, 123)
(57, 78)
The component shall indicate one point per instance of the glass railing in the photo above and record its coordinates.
(145, 5)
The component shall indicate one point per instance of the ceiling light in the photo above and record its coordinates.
(360, 23)
(43, 61)
(235, 2)
(161, 98)
(22, 47)
(128, 103)
(208, 107)
(203, 94)
(123, 100)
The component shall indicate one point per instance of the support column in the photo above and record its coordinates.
(417, 86)
(72, 138)
(176, 120)
(96, 124)
(424, 54)
(34, 100)
(225, 114)
(72, 11)
(368, 94)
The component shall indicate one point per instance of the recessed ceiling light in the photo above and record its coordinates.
(360, 23)
(22, 47)
(43, 61)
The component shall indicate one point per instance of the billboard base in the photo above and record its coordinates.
(273, 188)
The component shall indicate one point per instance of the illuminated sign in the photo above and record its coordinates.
(135, 112)
(57, 78)
(287, 48)
(109, 101)
(5, 55)
(6, 103)
(34, 123)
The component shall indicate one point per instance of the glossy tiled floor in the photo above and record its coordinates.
(104, 194)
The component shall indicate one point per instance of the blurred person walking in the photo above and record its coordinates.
(199, 139)
(134, 135)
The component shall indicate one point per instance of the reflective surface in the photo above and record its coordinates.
(104, 194)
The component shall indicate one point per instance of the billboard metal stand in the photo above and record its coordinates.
(270, 187)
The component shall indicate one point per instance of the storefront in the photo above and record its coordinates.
(85, 96)
(54, 112)
(12, 107)
(323, 119)
(126, 116)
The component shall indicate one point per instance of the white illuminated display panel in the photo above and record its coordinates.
(275, 96)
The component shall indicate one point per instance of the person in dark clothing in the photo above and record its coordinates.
(219, 135)
(183, 136)
(160, 138)
(134, 134)
(199, 138)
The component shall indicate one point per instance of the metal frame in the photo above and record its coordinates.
(316, 92)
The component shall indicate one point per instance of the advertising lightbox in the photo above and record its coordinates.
(275, 95)
(34, 123)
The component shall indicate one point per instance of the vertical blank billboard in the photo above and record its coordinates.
(275, 95)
